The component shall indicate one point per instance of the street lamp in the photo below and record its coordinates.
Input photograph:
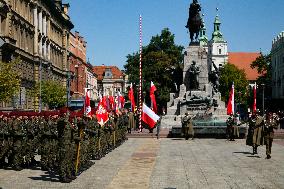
(263, 85)
(40, 78)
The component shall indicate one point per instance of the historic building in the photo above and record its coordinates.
(243, 60)
(277, 61)
(91, 81)
(111, 80)
(37, 32)
(77, 64)
(217, 46)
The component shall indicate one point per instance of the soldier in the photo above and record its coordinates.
(18, 137)
(257, 138)
(65, 158)
(232, 128)
(30, 142)
(187, 127)
(131, 123)
(271, 123)
(4, 139)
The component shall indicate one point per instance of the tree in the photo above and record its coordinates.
(229, 74)
(263, 66)
(52, 93)
(161, 63)
(9, 80)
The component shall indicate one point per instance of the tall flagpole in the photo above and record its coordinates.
(140, 74)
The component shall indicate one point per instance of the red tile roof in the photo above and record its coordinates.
(99, 70)
(243, 60)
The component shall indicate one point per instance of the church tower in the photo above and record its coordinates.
(217, 47)
(203, 39)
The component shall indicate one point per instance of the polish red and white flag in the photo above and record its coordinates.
(149, 116)
(254, 99)
(88, 110)
(131, 97)
(231, 102)
(153, 98)
(102, 114)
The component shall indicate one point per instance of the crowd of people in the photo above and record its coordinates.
(65, 141)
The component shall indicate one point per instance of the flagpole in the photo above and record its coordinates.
(140, 74)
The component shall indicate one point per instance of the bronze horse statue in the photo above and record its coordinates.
(194, 22)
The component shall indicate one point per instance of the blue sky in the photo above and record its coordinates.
(111, 27)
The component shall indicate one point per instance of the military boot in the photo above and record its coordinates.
(65, 180)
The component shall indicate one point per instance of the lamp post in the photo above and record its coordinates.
(239, 93)
(40, 78)
(263, 85)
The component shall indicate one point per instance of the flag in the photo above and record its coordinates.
(131, 97)
(88, 110)
(254, 99)
(231, 102)
(153, 98)
(149, 116)
(102, 114)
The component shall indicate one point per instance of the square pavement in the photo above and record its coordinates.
(169, 163)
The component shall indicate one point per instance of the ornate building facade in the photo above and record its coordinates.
(277, 62)
(37, 31)
(111, 80)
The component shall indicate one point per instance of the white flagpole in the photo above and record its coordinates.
(140, 74)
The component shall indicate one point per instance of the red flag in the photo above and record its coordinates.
(152, 96)
(111, 102)
(149, 117)
(231, 102)
(122, 101)
(102, 114)
(131, 97)
(88, 110)
(254, 99)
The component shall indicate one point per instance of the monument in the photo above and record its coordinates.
(199, 94)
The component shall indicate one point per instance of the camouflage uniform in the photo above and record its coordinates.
(65, 150)
(4, 140)
(18, 137)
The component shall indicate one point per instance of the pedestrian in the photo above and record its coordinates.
(271, 123)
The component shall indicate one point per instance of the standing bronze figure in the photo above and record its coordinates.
(194, 22)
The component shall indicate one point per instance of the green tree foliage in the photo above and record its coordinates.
(52, 93)
(229, 74)
(263, 66)
(9, 80)
(161, 63)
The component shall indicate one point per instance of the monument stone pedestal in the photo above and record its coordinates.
(203, 104)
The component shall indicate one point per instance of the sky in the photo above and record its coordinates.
(111, 27)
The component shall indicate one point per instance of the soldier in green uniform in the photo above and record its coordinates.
(4, 139)
(30, 142)
(65, 158)
(187, 126)
(257, 138)
(18, 137)
(271, 123)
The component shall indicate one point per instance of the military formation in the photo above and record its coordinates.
(65, 142)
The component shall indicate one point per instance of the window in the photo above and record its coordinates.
(220, 51)
(217, 27)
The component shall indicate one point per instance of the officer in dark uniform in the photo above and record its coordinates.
(271, 123)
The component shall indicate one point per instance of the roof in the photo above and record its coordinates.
(243, 60)
(100, 70)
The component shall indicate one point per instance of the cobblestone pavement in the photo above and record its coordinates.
(168, 164)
